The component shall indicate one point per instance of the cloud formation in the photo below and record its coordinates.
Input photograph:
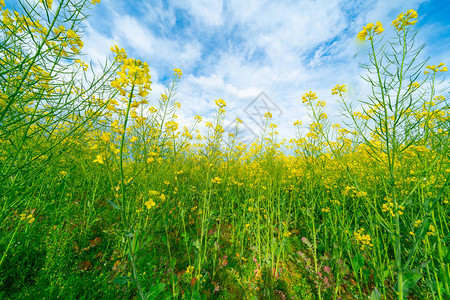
(236, 49)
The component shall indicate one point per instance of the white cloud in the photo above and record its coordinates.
(205, 12)
(236, 49)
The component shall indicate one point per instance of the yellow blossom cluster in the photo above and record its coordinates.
(431, 231)
(369, 29)
(48, 3)
(171, 126)
(3, 99)
(132, 73)
(216, 180)
(354, 192)
(388, 207)
(364, 240)
(434, 68)
(150, 203)
(82, 64)
(338, 89)
(177, 73)
(309, 97)
(29, 218)
(68, 38)
(405, 19)
(220, 103)
(414, 85)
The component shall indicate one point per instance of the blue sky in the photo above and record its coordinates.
(237, 49)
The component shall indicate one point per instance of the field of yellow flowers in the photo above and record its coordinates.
(103, 196)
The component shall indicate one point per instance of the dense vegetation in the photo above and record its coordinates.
(102, 195)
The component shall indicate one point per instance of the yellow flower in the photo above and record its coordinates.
(323, 116)
(143, 93)
(172, 126)
(49, 3)
(362, 35)
(378, 28)
(78, 61)
(220, 103)
(404, 20)
(287, 234)
(414, 85)
(2, 3)
(364, 240)
(190, 269)
(133, 139)
(3, 99)
(95, 2)
(338, 89)
(309, 97)
(153, 193)
(216, 180)
(72, 34)
(99, 159)
(150, 203)
(177, 73)
(432, 68)
(432, 231)
(106, 137)
(321, 103)
(268, 115)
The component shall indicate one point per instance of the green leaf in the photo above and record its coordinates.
(385, 274)
(155, 291)
(197, 244)
(410, 278)
(358, 262)
(366, 275)
(196, 295)
(115, 206)
(375, 295)
(122, 279)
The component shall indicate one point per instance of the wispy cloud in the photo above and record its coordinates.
(236, 49)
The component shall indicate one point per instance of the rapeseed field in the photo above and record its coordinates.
(103, 195)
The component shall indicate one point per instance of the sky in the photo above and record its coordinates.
(256, 55)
